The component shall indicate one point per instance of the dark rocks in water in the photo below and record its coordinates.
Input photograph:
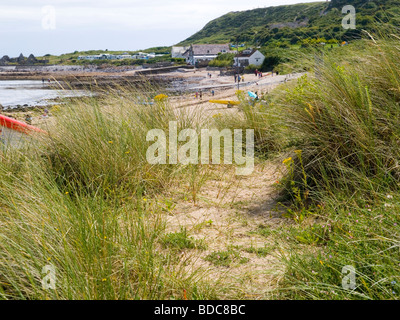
(4, 60)
(21, 59)
(31, 59)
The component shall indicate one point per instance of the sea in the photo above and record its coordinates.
(31, 93)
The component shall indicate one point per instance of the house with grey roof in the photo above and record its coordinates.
(202, 54)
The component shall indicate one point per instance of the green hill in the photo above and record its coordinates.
(291, 23)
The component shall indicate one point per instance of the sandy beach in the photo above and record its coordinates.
(182, 95)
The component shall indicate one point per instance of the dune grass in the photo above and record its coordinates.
(83, 200)
(86, 200)
(343, 178)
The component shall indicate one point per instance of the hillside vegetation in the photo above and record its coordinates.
(292, 23)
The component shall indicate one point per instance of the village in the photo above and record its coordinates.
(198, 55)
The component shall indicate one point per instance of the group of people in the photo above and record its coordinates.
(258, 73)
(239, 78)
(209, 75)
(199, 94)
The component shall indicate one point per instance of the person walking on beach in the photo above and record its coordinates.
(212, 93)
(235, 77)
(28, 119)
(201, 95)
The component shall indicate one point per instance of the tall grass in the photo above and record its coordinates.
(83, 200)
(344, 121)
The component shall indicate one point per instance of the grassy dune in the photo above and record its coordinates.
(85, 200)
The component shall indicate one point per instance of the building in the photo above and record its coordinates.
(106, 56)
(248, 57)
(200, 55)
(178, 52)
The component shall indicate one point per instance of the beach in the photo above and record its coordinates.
(32, 96)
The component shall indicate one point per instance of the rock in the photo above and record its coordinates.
(31, 59)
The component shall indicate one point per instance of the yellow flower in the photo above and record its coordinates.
(287, 160)
(48, 259)
(161, 97)
(104, 280)
(128, 152)
(144, 199)
(298, 152)
(110, 142)
(67, 192)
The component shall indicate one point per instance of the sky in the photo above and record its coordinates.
(62, 26)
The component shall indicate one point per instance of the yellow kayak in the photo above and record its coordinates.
(227, 102)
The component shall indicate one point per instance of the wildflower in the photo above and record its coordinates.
(67, 192)
(48, 259)
(161, 97)
(393, 283)
(110, 142)
(144, 199)
(389, 196)
(298, 152)
(288, 160)
(321, 262)
(128, 152)
(104, 280)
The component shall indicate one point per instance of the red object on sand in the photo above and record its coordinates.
(18, 125)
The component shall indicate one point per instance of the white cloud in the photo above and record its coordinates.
(99, 17)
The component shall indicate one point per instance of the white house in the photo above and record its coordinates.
(248, 57)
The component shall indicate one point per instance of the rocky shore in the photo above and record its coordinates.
(87, 76)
